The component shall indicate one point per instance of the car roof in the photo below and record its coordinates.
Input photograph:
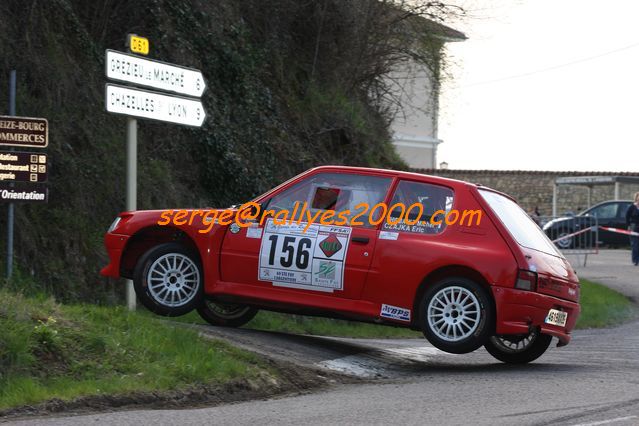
(602, 203)
(455, 183)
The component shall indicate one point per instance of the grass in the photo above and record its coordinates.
(603, 307)
(48, 350)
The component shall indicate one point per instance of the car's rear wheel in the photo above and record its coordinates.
(456, 315)
(564, 243)
(168, 280)
(225, 314)
(518, 349)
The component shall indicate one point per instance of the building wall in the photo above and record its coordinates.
(418, 155)
(534, 188)
(418, 97)
(415, 126)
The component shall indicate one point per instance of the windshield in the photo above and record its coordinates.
(523, 229)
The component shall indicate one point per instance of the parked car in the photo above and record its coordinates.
(499, 283)
(608, 213)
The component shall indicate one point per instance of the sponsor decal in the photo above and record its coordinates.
(252, 232)
(386, 235)
(330, 245)
(326, 270)
(395, 312)
(234, 228)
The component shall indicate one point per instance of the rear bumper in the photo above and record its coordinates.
(114, 244)
(519, 310)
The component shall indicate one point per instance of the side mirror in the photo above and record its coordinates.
(250, 211)
(256, 210)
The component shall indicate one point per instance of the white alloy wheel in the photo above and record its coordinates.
(173, 280)
(453, 313)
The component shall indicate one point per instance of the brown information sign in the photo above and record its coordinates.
(8, 194)
(23, 167)
(24, 131)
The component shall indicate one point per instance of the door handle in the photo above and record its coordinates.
(361, 240)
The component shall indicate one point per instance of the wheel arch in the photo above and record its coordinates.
(146, 238)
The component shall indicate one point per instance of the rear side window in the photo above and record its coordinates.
(607, 211)
(413, 206)
(522, 228)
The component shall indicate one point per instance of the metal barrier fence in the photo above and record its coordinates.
(576, 235)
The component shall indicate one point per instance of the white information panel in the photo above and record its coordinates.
(156, 74)
(311, 260)
(155, 106)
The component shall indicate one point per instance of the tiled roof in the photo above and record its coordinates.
(447, 33)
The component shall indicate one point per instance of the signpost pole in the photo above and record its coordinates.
(131, 187)
(11, 208)
(186, 110)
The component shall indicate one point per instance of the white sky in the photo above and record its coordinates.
(583, 116)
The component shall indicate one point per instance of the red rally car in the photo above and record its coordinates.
(494, 279)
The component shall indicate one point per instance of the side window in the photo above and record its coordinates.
(607, 211)
(341, 193)
(419, 208)
(623, 208)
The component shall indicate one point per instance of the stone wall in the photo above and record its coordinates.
(534, 188)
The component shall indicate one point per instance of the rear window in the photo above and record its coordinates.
(523, 229)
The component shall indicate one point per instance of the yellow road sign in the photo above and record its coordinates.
(138, 44)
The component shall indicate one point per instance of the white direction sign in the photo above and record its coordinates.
(155, 106)
(156, 74)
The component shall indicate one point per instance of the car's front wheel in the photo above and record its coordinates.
(456, 315)
(225, 314)
(518, 349)
(168, 280)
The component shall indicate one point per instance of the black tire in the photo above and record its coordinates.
(518, 349)
(225, 314)
(183, 280)
(474, 333)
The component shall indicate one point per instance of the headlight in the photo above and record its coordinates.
(114, 224)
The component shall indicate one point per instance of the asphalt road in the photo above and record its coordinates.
(592, 381)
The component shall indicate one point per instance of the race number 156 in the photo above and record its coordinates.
(286, 251)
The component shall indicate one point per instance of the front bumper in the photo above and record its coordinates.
(519, 310)
(114, 244)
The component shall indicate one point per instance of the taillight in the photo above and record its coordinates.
(526, 280)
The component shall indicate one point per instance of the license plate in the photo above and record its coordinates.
(556, 317)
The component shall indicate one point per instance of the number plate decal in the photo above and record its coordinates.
(311, 260)
(556, 317)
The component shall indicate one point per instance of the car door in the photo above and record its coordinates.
(287, 250)
(606, 215)
(405, 248)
